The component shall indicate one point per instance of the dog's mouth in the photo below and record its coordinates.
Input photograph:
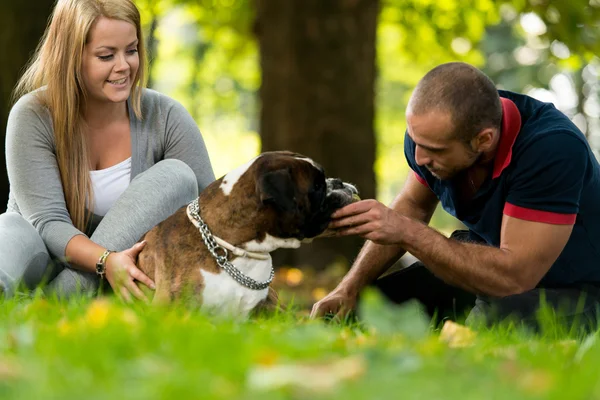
(338, 194)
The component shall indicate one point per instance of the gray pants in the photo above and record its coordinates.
(151, 197)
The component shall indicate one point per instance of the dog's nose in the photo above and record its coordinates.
(351, 188)
(336, 183)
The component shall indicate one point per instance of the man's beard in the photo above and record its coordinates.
(456, 172)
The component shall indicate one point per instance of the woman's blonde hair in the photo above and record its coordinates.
(56, 64)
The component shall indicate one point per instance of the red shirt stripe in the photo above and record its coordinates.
(529, 214)
(420, 179)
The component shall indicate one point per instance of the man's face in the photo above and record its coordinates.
(437, 148)
(110, 60)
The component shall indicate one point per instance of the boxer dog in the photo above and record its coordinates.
(216, 249)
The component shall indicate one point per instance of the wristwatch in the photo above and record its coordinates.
(101, 264)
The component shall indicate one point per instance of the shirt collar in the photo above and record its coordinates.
(511, 125)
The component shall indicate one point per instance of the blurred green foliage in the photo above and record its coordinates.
(100, 349)
(205, 55)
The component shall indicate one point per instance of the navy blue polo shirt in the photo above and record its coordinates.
(544, 171)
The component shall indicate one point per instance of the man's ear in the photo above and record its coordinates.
(484, 140)
(276, 188)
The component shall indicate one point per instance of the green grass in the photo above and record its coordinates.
(101, 349)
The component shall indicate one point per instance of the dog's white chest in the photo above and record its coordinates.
(223, 295)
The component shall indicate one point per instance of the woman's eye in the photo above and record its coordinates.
(110, 56)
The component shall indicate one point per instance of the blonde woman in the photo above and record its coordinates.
(93, 159)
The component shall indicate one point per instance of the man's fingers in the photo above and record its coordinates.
(355, 208)
(342, 313)
(349, 221)
(138, 275)
(318, 310)
(314, 313)
(360, 230)
(321, 309)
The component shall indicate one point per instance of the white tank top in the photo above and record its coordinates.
(109, 184)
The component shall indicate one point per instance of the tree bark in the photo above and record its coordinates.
(318, 82)
(22, 24)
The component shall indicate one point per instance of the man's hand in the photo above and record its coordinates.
(122, 272)
(369, 219)
(339, 302)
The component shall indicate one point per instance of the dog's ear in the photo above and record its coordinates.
(276, 188)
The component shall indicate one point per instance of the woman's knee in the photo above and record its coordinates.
(20, 235)
(71, 282)
(22, 250)
(175, 179)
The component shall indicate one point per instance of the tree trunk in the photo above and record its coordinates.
(22, 24)
(317, 94)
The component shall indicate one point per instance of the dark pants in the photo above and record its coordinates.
(571, 306)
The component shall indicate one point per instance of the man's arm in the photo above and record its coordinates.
(527, 250)
(542, 203)
(415, 200)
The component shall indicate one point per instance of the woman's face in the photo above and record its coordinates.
(110, 60)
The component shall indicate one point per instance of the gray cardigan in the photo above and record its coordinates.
(166, 131)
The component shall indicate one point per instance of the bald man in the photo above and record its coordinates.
(519, 174)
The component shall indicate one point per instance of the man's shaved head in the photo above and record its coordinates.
(466, 93)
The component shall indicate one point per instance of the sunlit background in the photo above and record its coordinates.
(205, 55)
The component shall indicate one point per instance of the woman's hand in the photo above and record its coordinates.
(122, 272)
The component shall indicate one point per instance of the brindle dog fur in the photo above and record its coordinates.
(280, 194)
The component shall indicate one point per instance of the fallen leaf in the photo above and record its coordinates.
(507, 352)
(533, 381)
(319, 377)
(536, 381)
(9, 370)
(457, 335)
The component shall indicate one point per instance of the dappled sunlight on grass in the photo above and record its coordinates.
(71, 349)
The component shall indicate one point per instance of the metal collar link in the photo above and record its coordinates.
(221, 255)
